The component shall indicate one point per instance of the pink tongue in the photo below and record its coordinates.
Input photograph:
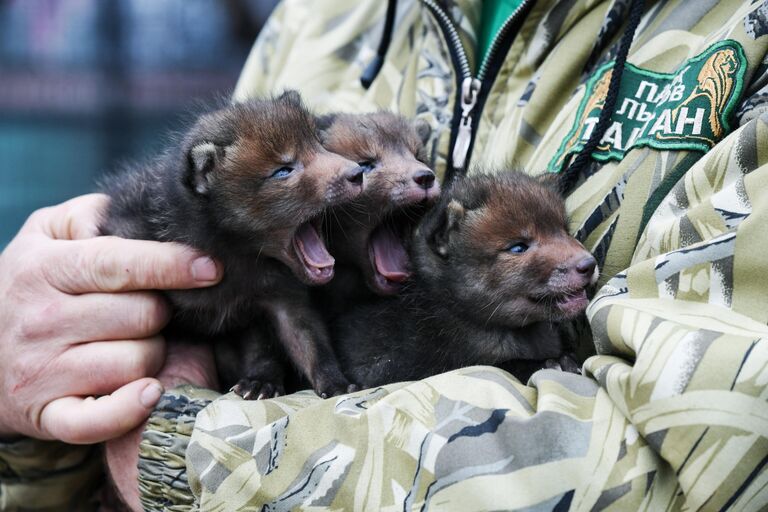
(389, 255)
(312, 248)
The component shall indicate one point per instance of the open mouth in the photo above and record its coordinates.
(312, 254)
(388, 259)
(568, 304)
(386, 250)
(572, 303)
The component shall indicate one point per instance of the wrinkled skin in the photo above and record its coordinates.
(76, 322)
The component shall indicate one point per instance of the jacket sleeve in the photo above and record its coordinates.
(163, 483)
(48, 475)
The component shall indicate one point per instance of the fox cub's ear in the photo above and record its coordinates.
(325, 121)
(291, 96)
(202, 160)
(423, 130)
(447, 227)
(552, 181)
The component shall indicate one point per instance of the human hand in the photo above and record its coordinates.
(184, 364)
(75, 322)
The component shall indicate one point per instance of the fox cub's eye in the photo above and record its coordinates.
(282, 172)
(367, 165)
(518, 248)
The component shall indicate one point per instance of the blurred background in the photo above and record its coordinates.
(88, 84)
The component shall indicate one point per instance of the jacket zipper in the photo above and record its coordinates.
(470, 88)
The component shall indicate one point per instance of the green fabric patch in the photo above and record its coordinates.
(684, 110)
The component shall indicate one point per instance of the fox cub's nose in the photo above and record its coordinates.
(584, 270)
(586, 265)
(354, 175)
(424, 178)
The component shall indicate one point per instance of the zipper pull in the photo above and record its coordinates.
(470, 87)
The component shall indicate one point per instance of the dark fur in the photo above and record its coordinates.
(214, 191)
(471, 300)
(399, 187)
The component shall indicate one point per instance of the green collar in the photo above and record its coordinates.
(495, 13)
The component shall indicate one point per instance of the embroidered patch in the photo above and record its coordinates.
(688, 109)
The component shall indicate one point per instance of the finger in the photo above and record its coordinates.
(82, 217)
(101, 367)
(99, 317)
(117, 316)
(75, 219)
(111, 264)
(78, 420)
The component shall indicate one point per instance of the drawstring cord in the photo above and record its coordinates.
(583, 158)
(373, 67)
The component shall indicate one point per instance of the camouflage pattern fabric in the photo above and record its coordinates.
(48, 476)
(163, 476)
(671, 412)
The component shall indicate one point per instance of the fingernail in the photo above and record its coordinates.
(151, 395)
(204, 269)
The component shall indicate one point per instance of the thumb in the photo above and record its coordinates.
(77, 420)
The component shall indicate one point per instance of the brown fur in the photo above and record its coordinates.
(217, 191)
(399, 185)
(493, 214)
(472, 299)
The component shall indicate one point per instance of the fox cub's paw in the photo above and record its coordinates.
(567, 363)
(254, 389)
(333, 384)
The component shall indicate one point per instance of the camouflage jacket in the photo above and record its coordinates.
(670, 412)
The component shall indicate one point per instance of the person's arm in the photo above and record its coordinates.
(75, 325)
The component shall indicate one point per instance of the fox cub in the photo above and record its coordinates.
(493, 272)
(247, 184)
